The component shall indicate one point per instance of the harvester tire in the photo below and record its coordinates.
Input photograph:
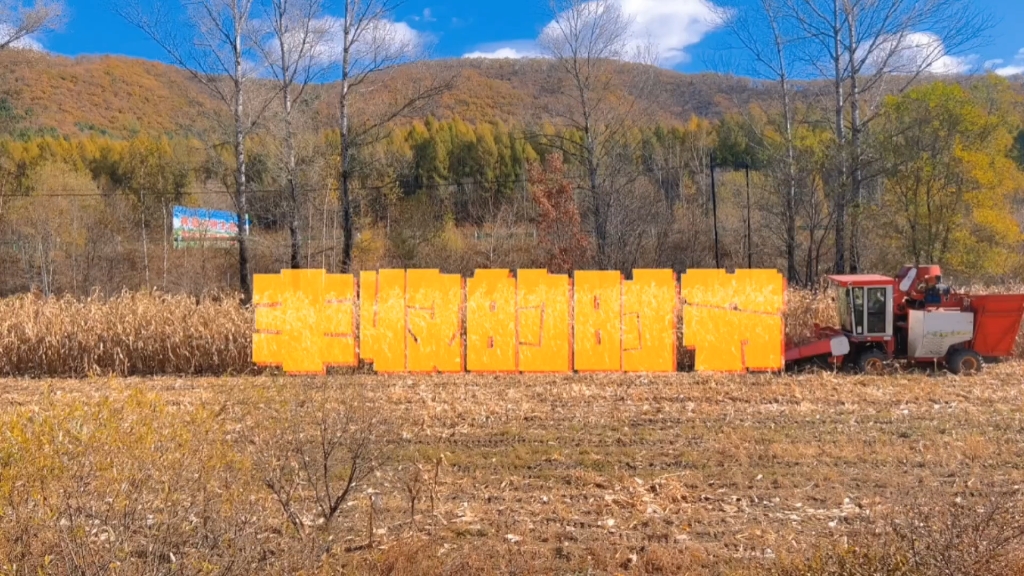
(963, 361)
(871, 362)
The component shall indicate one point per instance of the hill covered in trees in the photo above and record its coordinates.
(123, 97)
(105, 95)
(494, 172)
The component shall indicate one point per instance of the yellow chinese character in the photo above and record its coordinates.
(491, 322)
(433, 314)
(305, 321)
(649, 306)
(734, 321)
(543, 322)
(382, 320)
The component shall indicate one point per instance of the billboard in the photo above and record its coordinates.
(195, 227)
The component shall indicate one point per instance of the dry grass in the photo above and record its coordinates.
(153, 334)
(681, 474)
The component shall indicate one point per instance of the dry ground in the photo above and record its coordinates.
(569, 474)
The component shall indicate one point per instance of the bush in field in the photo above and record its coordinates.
(123, 482)
(314, 469)
(132, 483)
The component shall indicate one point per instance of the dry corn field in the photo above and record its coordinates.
(153, 334)
(914, 473)
(622, 474)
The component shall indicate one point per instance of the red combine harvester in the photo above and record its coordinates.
(916, 318)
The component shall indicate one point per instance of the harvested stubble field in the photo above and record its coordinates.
(816, 473)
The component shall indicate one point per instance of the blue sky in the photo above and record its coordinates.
(689, 41)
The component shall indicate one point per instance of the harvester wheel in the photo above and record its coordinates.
(963, 361)
(871, 362)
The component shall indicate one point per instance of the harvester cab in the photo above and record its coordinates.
(914, 317)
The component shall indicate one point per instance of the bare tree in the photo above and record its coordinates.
(211, 39)
(879, 47)
(336, 438)
(822, 46)
(772, 60)
(585, 39)
(297, 53)
(371, 43)
(890, 45)
(20, 20)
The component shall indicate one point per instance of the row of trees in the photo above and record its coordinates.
(251, 54)
(867, 50)
(458, 196)
(890, 166)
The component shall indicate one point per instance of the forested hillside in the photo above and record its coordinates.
(123, 97)
(106, 95)
(497, 168)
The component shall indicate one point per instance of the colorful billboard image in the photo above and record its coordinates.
(195, 227)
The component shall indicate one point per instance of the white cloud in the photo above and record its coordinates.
(990, 64)
(511, 49)
(947, 64)
(1016, 67)
(500, 53)
(1010, 70)
(670, 26)
(382, 39)
(915, 52)
(381, 43)
(428, 16)
(26, 43)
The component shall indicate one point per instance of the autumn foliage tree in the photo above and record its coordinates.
(950, 180)
(560, 230)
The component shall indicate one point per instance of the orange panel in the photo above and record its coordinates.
(734, 321)
(302, 302)
(338, 320)
(296, 329)
(597, 335)
(543, 321)
(382, 330)
(649, 322)
(433, 307)
(491, 322)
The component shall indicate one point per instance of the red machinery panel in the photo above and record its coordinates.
(997, 319)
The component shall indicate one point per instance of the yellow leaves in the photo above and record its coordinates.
(950, 181)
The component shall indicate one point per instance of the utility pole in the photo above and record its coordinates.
(750, 236)
(714, 212)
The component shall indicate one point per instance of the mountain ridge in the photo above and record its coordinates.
(122, 96)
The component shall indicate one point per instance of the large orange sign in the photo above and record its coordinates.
(531, 321)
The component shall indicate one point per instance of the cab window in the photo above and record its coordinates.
(877, 311)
